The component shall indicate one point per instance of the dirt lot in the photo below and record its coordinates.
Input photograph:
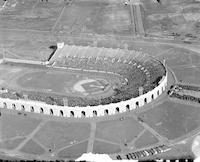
(177, 18)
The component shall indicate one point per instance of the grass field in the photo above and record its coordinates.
(63, 134)
(71, 83)
(32, 15)
(176, 18)
(27, 30)
(172, 120)
(189, 75)
(101, 147)
(121, 130)
(146, 139)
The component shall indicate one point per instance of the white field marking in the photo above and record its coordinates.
(167, 150)
(78, 86)
(96, 86)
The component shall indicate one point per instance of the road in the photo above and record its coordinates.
(136, 18)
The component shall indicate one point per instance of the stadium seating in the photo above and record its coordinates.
(130, 67)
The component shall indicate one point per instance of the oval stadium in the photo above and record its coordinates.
(81, 77)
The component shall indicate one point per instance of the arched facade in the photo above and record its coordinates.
(89, 111)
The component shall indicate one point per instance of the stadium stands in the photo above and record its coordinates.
(177, 91)
(139, 69)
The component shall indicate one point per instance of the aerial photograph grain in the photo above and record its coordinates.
(100, 80)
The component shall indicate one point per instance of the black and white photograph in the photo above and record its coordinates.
(100, 80)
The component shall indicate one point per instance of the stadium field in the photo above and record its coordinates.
(64, 82)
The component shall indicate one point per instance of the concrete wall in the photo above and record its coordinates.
(82, 112)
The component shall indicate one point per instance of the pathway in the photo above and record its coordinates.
(92, 137)
(30, 136)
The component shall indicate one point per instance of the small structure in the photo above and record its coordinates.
(60, 45)
(141, 91)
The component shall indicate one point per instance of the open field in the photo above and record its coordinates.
(121, 129)
(63, 138)
(172, 120)
(189, 74)
(177, 18)
(146, 139)
(30, 15)
(100, 147)
(27, 30)
(71, 83)
(111, 135)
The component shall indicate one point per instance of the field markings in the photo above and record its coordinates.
(31, 135)
(92, 137)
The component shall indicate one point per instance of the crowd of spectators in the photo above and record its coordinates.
(36, 96)
(123, 66)
(176, 91)
(189, 87)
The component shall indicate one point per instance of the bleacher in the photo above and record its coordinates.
(129, 64)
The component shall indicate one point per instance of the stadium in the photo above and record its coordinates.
(101, 77)
(136, 79)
